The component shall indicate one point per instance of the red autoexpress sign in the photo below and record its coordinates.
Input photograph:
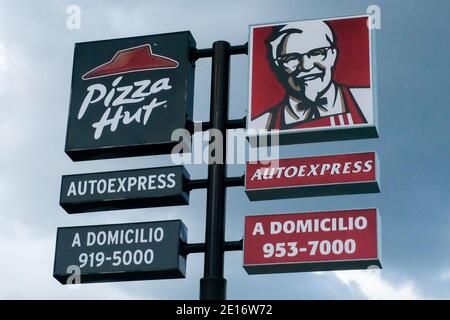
(331, 240)
(312, 176)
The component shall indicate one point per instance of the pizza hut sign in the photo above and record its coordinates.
(129, 95)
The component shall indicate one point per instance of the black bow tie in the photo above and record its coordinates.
(312, 107)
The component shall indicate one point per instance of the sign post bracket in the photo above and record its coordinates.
(208, 53)
(203, 183)
(189, 248)
(206, 125)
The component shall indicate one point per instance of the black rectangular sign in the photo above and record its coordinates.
(120, 252)
(126, 189)
(128, 95)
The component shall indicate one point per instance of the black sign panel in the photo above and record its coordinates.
(120, 252)
(126, 189)
(129, 95)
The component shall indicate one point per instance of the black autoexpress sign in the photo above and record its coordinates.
(128, 95)
(126, 189)
(120, 252)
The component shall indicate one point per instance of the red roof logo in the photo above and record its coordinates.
(131, 60)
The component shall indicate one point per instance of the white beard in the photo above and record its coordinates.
(313, 88)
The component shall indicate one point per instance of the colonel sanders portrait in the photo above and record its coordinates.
(303, 55)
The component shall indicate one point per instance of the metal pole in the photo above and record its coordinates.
(213, 285)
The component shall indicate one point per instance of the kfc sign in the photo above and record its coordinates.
(312, 80)
(318, 241)
(129, 95)
(312, 176)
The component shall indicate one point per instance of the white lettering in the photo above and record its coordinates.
(258, 229)
(76, 240)
(72, 189)
(121, 96)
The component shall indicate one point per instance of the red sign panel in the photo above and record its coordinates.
(317, 241)
(312, 176)
(312, 80)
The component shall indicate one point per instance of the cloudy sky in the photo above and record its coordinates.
(36, 51)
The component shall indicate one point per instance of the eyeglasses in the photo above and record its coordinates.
(292, 60)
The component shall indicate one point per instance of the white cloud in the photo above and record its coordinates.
(12, 64)
(373, 286)
(27, 263)
(3, 58)
(15, 102)
(445, 275)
